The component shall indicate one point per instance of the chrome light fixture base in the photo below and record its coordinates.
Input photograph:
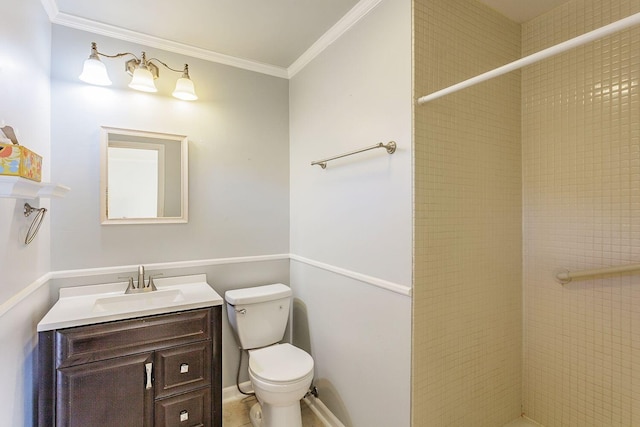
(131, 65)
(143, 71)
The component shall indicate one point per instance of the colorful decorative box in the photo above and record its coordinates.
(16, 160)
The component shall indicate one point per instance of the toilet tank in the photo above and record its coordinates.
(258, 315)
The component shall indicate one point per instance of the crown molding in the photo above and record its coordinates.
(51, 8)
(160, 43)
(359, 11)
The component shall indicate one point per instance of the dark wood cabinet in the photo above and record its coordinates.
(184, 410)
(162, 370)
(105, 393)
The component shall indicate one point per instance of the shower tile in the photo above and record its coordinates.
(580, 127)
(467, 263)
(522, 422)
(580, 180)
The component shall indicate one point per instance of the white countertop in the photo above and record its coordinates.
(84, 305)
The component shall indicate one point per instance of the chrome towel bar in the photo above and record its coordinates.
(390, 147)
(565, 277)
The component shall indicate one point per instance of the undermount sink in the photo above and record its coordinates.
(130, 302)
(84, 305)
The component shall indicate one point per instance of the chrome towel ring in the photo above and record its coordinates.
(35, 224)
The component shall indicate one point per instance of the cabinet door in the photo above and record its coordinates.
(109, 393)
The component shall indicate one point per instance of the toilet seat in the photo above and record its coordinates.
(280, 364)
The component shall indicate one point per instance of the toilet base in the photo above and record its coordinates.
(275, 416)
(255, 415)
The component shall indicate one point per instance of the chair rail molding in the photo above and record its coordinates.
(98, 271)
(380, 283)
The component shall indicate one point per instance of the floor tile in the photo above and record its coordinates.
(235, 413)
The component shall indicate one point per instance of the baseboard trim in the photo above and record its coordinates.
(322, 412)
(230, 394)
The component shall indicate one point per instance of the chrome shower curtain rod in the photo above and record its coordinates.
(538, 56)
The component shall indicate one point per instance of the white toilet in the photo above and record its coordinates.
(280, 374)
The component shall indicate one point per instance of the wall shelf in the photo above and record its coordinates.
(21, 188)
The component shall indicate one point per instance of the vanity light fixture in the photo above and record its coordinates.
(142, 70)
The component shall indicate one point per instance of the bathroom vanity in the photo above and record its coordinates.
(104, 361)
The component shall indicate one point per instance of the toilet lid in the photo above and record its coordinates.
(280, 363)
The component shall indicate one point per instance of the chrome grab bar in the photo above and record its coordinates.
(565, 277)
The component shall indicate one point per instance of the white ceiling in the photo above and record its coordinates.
(265, 35)
(274, 32)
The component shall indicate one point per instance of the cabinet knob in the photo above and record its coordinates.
(184, 416)
(184, 368)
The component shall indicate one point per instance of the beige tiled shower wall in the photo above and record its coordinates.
(467, 331)
(581, 181)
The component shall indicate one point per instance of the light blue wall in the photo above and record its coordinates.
(240, 195)
(25, 38)
(356, 215)
(238, 158)
(238, 169)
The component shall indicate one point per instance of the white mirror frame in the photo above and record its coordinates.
(184, 174)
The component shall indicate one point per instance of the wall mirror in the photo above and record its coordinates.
(143, 177)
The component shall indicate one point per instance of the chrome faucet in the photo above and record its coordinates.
(141, 277)
(141, 286)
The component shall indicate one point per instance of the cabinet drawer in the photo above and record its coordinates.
(91, 343)
(185, 410)
(183, 368)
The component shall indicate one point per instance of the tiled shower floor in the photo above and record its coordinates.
(236, 414)
(522, 422)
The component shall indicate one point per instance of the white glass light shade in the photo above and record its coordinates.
(184, 90)
(94, 72)
(143, 80)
